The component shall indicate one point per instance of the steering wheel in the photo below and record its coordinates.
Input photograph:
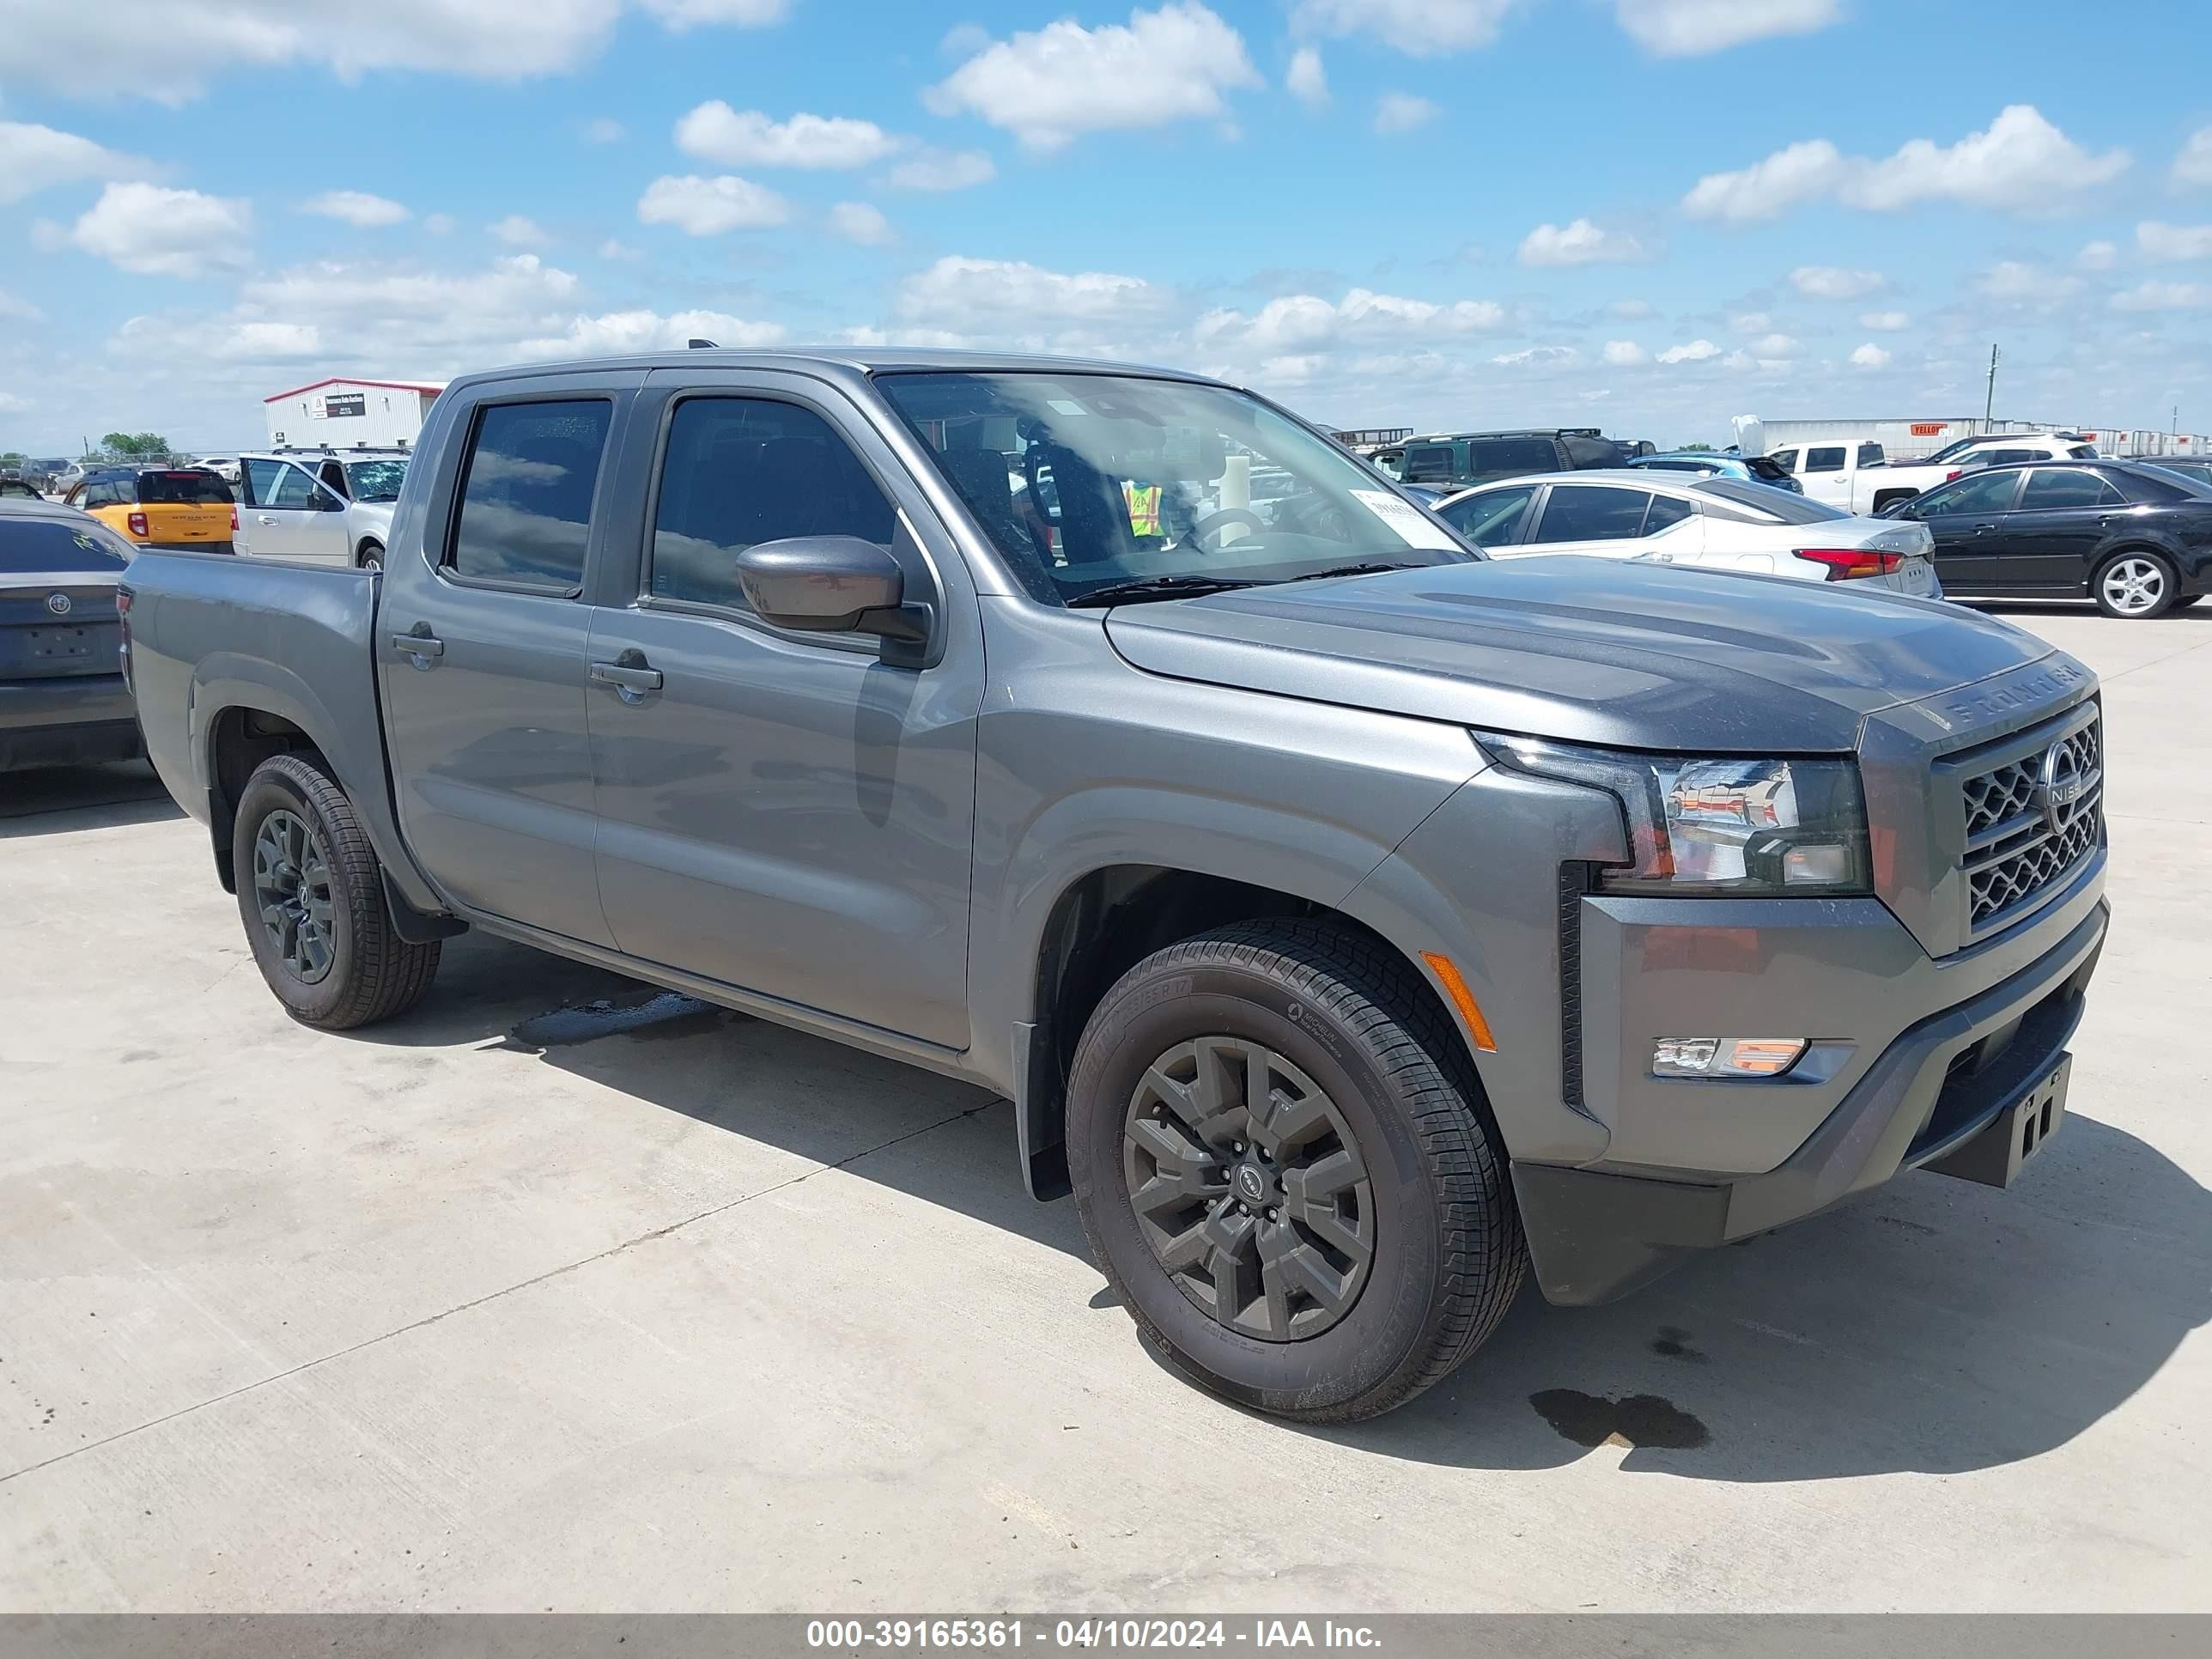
(1222, 520)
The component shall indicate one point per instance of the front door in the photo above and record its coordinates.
(785, 812)
(1966, 517)
(1826, 474)
(283, 513)
(483, 637)
(2065, 517)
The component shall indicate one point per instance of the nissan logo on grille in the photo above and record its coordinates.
(2063, 784)
(58, 604)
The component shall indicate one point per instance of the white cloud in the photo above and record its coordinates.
(857, 221)
(1307, 80)
(1885, 322)
(1631, 310)
(1835, 283)
(2174, 243)
(1697, 351)
(1690, 28)
(1401, 112)
(617, 332)
(1422, 28)
(2020, 162)
(517, 231)
(716, 132)
(943, 169)
(1535, 356)
(1580, 243)
(1751, 322)
(2097, 255)
(988, 296)
(709, 207)
(11, 403)
(2015, 280)
(385, 313)
(2192, 167)
(1300, 323)
(603, 130)
(158, 232)
(493, 39)
(356, 207)
(1048, 86)
(1869, 356)
(2164, 297)
(19, 310)
(264, 343)
(438, 224)
(614, 248)
(1625, 354)
(34, 158)
(1773, 348)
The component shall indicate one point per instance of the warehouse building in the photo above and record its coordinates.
(348, 414)
(1905, 438)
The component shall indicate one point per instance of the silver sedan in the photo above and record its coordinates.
(1713, 523)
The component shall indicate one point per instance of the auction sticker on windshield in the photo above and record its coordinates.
(1414, 528)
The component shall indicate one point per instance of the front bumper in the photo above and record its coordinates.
(1595, 1233)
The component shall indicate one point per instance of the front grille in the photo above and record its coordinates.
(2030, 822)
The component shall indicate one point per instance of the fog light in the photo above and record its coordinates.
(1816, 866)
(1725, 1056)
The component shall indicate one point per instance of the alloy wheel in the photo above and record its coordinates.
(291, 889)
(1248, 1186)
(2133, 585)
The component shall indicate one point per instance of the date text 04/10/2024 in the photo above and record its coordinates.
(854, 1635)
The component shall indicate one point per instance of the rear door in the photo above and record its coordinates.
(1606, 521)
(285, 514)
(2054, 532)
(1967, 518)
(484, 638)
(783, 812)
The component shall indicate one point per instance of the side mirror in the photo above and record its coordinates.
(835, 585)
(1895, 509)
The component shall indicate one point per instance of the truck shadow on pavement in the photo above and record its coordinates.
(53, 800)
(1932, 1326)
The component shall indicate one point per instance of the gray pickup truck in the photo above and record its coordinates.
(1354, 923)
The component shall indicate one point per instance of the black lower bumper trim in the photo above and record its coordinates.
(1595, 1235)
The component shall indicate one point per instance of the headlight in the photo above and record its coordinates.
(1763, 827)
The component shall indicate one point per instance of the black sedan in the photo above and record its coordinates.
(63, 697)
(2134, 536)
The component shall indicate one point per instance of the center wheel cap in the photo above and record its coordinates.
(1253, 1185)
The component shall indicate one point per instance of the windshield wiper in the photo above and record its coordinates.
(1349, 570)
(1161, 587)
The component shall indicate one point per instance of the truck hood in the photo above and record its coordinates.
(1583, 650)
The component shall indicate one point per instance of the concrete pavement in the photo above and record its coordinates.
(672, 1309)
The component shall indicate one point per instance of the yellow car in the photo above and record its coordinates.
(178, 509)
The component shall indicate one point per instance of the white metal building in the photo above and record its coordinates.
(381, 414)
(1907, 439)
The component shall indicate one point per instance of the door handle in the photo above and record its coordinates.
(264, 518)
(632, 681)
(418, 648)
(1984, 529)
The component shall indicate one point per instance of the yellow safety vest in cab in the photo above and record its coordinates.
(1144, 503)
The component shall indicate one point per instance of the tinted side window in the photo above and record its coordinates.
(1429, 464)
(1870, 455)
(526, 505)
(741, 471)
(2065, 486)
(1979, 492)
(261, 479)
(1496, 455)
(1493, 518)
(1666, 512)
(1826, 459)
(1785, 458)
(2006, 457)
(1592, 512)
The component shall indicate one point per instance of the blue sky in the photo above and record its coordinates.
(1647, 215)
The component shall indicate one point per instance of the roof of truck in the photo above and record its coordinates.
(857, 362)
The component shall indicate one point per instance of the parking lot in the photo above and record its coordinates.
(558, 1294)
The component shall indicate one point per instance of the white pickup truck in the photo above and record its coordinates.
(1856, 476)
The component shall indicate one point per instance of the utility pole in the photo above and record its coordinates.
(1990, 402)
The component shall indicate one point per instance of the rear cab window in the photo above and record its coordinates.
(528, 485)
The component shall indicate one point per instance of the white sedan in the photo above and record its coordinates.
(1715, 524)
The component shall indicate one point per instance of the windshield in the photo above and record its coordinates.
(1774, 506)
(42, 546)
(187, 489)
(1086, 482)
(374, 481)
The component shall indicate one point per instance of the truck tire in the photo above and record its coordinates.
(311, 893)
(371, 556)
(1329, 1257)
